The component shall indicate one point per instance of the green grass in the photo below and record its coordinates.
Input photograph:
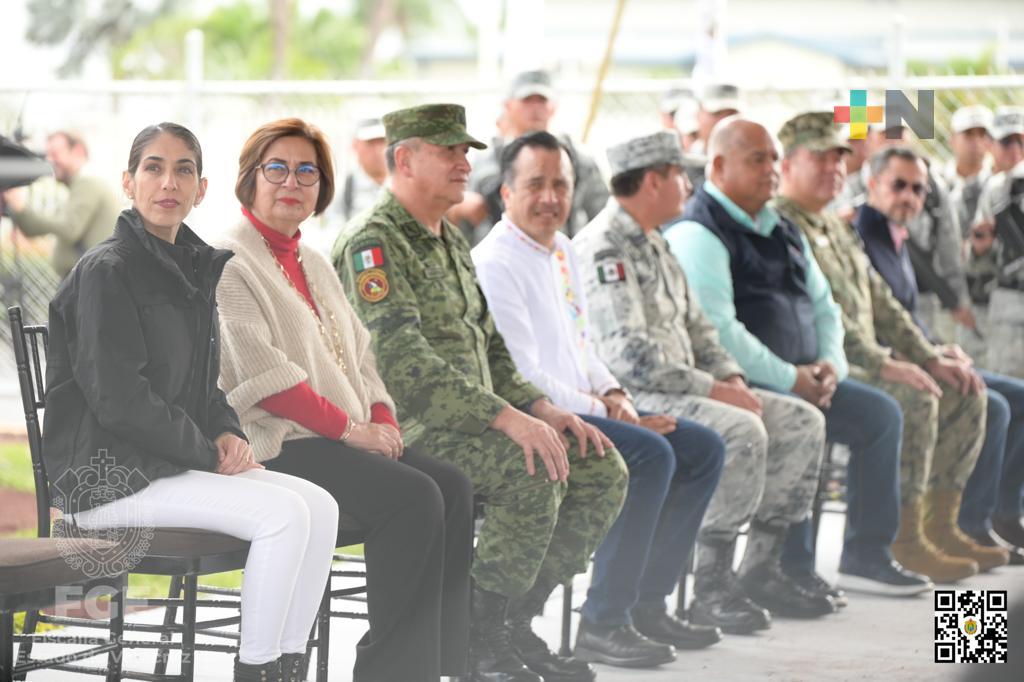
(16, 467)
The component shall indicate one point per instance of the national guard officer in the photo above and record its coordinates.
(410, 277)
(652, 334)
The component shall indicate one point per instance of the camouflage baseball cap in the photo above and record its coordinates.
(644, 152)
(530, 83)
(441, 124)
(815, 131)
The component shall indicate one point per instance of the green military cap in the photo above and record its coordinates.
(815, 131)
(440, 124)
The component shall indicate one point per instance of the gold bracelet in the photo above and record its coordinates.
(348, 430)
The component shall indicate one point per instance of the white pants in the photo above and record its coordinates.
(291, 524)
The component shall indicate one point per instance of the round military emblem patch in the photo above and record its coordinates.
(372, 284)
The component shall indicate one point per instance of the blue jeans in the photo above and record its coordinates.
(996, 484)
(671, 480)
(869, 422)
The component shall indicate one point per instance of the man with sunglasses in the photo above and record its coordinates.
(942, 439)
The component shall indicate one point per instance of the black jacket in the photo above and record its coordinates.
(132, 368)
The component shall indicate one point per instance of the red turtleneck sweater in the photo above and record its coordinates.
(301, 403)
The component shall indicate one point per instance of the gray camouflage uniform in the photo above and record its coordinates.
(652, 334)
(1006, 305)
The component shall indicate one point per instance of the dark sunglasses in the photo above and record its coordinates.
(899, 184)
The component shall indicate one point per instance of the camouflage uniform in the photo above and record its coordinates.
(441, 357)
(651, 333)
(1006, 305)
(941, 438)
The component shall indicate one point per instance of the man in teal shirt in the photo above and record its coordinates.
(754, 274)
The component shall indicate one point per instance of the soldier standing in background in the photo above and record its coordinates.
(85, 219)
(529, 105)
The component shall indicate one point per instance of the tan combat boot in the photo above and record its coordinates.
(914, 551)
(942, 508)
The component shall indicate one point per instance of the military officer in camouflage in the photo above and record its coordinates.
(886, 349)
(652, 334)
(409, 275)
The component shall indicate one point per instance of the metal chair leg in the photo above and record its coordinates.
(6, 645)
(323, 628)
(115, 659)
(170, 615)
(25, 648)
(682, 592)
(566, 648)
(188, 631)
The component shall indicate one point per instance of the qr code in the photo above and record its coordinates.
(970, 626)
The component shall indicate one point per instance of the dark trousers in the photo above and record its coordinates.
(418, 516)
(671, 480)
(869, 422)
(995, 486)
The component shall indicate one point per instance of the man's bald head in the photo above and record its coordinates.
(742, 159)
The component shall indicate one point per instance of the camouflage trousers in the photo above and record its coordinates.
(1006, 333)
(771, 464)
(942, 437)
(534, 530)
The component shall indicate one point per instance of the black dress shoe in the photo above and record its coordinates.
(816, 585)
(886, 578)
(620, 645)
(1009, 530)
(653, 622)
(534, 652)
(769, 587)
(988, 539)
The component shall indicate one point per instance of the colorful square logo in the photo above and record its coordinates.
(859, 115)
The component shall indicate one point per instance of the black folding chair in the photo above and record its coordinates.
(183, 554)
(36, 573)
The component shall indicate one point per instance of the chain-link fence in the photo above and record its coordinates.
(224, 113)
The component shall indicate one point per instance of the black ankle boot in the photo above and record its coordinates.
(268, 672)
(654, 622)
(491, 655)
(294, 667)
(533, 650)
(718, 599)
(767, 584)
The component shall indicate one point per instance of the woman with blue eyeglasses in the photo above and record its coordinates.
(296, 365)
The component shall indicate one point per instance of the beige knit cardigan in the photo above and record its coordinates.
(271, 342)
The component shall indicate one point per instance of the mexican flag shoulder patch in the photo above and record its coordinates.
(367, 258)
(612, 271)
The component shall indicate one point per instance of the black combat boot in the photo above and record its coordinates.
(718, 598)
(764, 581)
(533, 650)
(491, 656)
(654, 622)
(268, 672)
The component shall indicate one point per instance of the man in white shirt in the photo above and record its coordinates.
(528, 273)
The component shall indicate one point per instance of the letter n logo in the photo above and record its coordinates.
(920, 119)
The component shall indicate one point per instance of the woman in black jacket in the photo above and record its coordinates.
(136, 431)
